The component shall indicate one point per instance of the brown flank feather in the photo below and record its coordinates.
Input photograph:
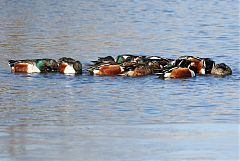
(20, 67)
(181, 73)
(110, 70)
(62, 67)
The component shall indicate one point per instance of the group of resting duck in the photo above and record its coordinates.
(126, 65)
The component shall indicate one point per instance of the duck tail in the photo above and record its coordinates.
(11, 62)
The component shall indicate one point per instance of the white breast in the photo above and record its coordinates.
(202, 71)
(95, 71)
(32, 69)
(69, 70)
(167, 75)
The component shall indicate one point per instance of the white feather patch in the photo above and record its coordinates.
(202, 71)
(69, 70)
(167, 75)
(96, 71)
(32, 69)
(122, 69)
(192, 73)
(154, 57)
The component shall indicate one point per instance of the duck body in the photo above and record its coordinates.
(105, 66)
(124, 58)
(108, 70)
(178, 72)
(196, 63)
(199, 65)
(104, 60)
(33, 65)
(107, 58)
(221, 70)
(139, 70)
(129, 58)
(156, 63)
(69, 66)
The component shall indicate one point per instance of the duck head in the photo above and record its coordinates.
(69, 66)
(221, 70)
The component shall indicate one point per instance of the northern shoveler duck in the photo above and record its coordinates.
(33, 65)
(161, 60)
(69, 66)
(139, 70)
(199, 65)
(155, 66)
(107, 58)
(104, 60)
(104, 66)
(124, 58)
(177, 72)
(187, 61)
(106, 70)
(221, 69)
(156, 63)
(129, 58)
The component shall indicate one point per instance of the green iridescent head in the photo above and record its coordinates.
(47, 65)
(120, 59)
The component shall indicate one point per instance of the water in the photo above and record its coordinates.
(64, 117)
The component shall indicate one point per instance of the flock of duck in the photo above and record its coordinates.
(126, 65)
